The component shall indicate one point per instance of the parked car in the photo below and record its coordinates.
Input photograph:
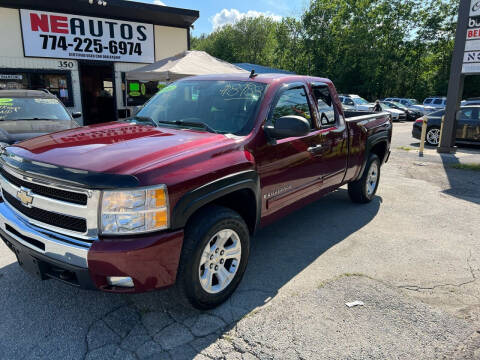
(412, 104)
(397, 115)
(468, 126)
(357, 102)
(173, 195)
(25, 114)
(348, 107)
(437, 103)
(471, 101)
(412, 114)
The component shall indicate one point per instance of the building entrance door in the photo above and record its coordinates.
(97, 84)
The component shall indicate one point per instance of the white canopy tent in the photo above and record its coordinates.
(188, 63)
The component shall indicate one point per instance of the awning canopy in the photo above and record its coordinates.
(188, 63)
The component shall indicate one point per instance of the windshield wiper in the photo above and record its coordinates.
(190, 123)
(146, 119)
(35, 118)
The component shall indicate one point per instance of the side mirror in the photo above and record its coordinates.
(76, 115)
(288, 126)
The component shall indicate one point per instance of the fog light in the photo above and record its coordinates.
(120, 281)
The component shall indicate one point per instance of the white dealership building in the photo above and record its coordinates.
(80, 50)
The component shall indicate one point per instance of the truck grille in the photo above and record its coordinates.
(53, 193)
(61, 209)
(47, 217)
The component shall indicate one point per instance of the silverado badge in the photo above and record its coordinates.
(25, 197)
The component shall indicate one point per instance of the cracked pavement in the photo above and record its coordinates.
(412, 256)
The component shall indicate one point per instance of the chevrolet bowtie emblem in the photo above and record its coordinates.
(25, 197)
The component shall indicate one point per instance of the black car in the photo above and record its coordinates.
(468, 126)
(25, 114)
(412, 114)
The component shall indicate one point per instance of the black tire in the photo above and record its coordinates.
(357, 190)
(198, 233)
(430, 129)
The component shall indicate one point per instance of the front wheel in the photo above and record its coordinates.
(214, 257)
(433, 136)
(363, 190)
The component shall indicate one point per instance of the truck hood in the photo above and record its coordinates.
(118, 148)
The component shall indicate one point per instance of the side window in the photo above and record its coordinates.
(350, 102)
(325, 105)
(466, 114)
(293, 102)
(438, 102)
(427, 101)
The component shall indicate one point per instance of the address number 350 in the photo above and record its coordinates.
(66, 64)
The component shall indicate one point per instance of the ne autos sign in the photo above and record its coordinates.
(471, 57)
(65, 36)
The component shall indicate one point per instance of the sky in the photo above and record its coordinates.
(215, 13)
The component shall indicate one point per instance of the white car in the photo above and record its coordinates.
(397, 115)
(438, 103)
(357, 102)
(413, 104)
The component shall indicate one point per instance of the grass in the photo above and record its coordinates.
(472, 167)
(406, 148)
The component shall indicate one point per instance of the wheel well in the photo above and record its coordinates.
(380, 150)
(242, 201)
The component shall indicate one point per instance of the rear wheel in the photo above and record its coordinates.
(363, 190)
(433, 136)
(214, 257)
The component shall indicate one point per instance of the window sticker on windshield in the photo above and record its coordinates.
(45, 101)
(7, 109)
(241, 91)
(168, 88)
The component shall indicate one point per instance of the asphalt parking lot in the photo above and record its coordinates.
(412, 256)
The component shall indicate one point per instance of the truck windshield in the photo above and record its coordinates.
(32, 109)
(226, 107)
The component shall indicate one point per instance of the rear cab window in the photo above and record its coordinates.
(327, 113)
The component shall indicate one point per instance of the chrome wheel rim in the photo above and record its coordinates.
(372, 178)
(433, 136)
(220, 261)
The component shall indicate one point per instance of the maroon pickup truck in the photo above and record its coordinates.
(173, 195)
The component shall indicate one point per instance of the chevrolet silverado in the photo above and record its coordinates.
(173, 195)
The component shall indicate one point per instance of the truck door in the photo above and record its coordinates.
(334, 156)
(289, 168)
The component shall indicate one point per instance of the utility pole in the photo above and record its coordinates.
(457, 76)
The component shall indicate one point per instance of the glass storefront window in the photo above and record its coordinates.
(57, 82)
(139, 92)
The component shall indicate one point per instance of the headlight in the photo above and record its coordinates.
(134, 211)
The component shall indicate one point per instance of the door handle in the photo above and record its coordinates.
(315, 149)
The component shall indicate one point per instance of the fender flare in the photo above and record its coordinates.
(208, 193)
(371, 142)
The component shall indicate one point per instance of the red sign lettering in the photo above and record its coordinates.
(39, 23)
(59, 24)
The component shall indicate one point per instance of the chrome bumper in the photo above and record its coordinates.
(64, 251)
